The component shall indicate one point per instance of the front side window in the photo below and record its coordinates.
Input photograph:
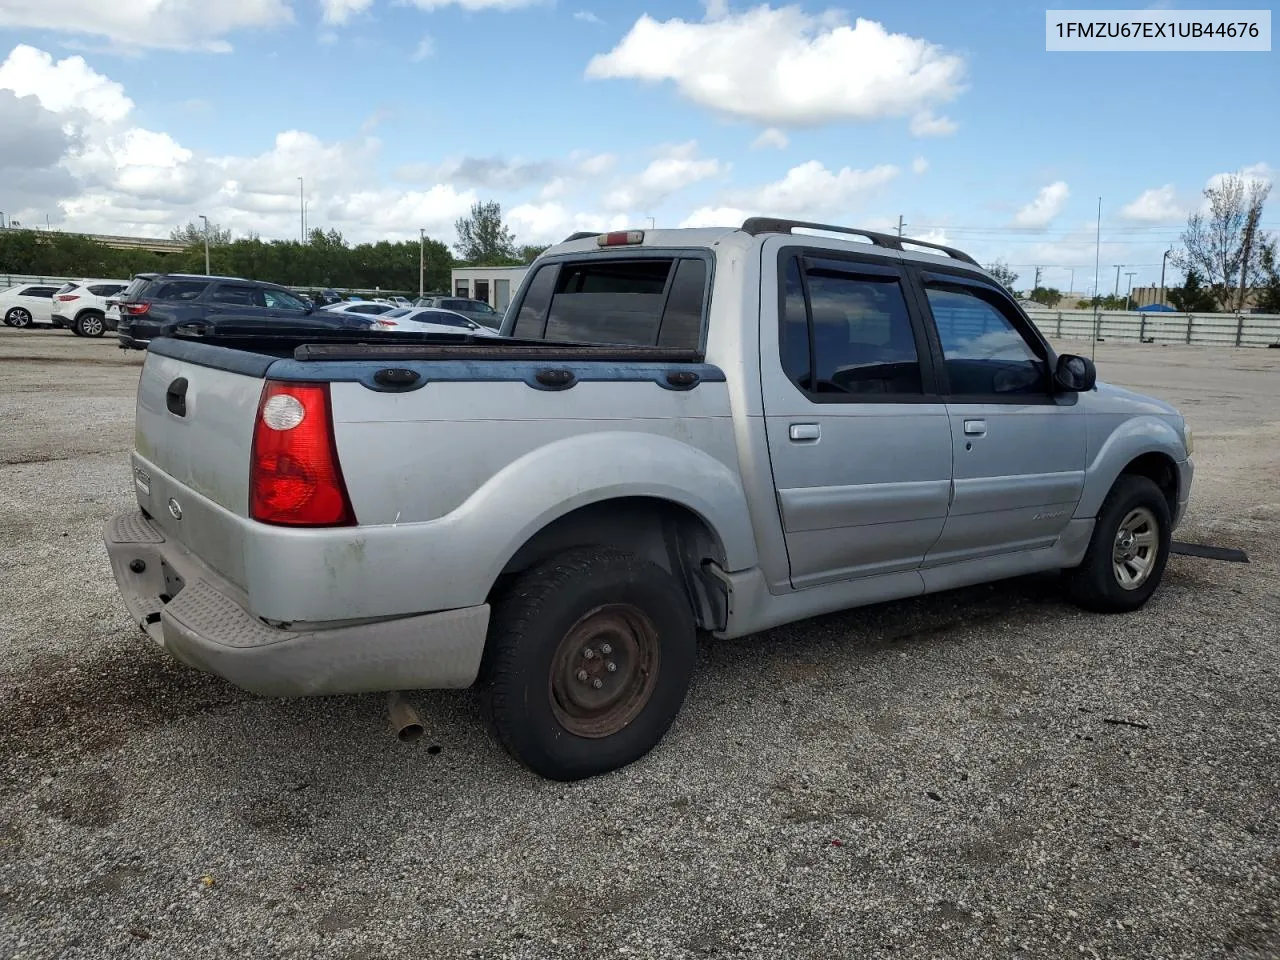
(847, 334)
(984, 352)
(281, 300)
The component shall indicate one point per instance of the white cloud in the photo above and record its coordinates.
(919, 165)
(586, 16)
(173, 24)
(1049, 202)
(1157, 205)
(810, 188)
(1254, 173)
(772, 137)
(715, 217)
(65, 86)
(925, 124)
(552, 222)
(426, 48)
(678, 167)
(783, 67)
(340, 11)
(472, 4)
(110, 175)
(593, 165)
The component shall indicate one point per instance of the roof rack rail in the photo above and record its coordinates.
(758, 225)
(581, 235)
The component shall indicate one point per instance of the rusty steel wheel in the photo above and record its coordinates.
(589, 656)
(605, 670)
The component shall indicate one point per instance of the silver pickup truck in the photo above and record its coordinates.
(685, 431)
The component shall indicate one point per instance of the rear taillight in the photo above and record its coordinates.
(385, 324)
(135, 309)
(294, 476)
(68, 297)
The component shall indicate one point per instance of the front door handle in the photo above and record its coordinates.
(975, 428)
(801, 432)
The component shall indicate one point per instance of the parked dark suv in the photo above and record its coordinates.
(154, 305)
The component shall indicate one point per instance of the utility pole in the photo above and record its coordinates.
(1128, 293)
(901, 224)
(1036, 285)
(1072, 282)
(207, 272)
(422, 260)
(1117, 290)
(1162, 260)
(302, 210)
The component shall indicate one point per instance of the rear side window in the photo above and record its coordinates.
(236, 294)
(42, 292)
(67, 287)
(179, 290)
(847, 332)
(105, 289)
(636, 302)
(135, 288)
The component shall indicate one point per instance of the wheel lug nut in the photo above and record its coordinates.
(588, 654)
(582, 676)
(606, 649)
(611, 667)
(597, 683)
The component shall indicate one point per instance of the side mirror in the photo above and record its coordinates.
(1075, 374)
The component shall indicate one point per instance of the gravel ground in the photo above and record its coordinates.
(983, 773)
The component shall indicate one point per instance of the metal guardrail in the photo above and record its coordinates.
(1205, 329)
(8, 280)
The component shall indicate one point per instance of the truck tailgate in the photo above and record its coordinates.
(192, 448)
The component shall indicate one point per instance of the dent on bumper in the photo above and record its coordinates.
(206, 625)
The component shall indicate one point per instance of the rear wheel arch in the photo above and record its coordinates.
(664, 532)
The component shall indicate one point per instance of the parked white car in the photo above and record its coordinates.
(27, 304)
(367, 307)
(427, 320)
(82, 306)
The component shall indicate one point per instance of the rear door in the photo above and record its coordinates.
(1020, 448)
(857, 433)
(238, 300)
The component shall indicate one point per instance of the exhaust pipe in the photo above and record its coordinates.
(404, 719)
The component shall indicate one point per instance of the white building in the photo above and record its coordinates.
(494, 285)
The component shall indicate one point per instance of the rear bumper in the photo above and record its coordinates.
(60, 321)
(202, 620)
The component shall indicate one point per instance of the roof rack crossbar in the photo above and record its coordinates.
(758, 225)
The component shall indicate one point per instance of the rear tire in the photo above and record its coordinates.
(1128, 551)
(588, 661)
(90, 325)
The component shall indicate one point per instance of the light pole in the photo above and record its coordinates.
(1072, 282)
(302, 211)
(1117, 290)
(206, 244)
(1128, 293)
(1162, 262)
(422, 260)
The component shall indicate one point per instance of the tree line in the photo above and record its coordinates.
(327, 259)
(1226, 257)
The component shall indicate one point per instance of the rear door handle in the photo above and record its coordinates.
(801, 432)
(975, 428)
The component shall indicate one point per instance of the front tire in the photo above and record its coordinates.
(1128, 551)
(18, 317)
(588, 661)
